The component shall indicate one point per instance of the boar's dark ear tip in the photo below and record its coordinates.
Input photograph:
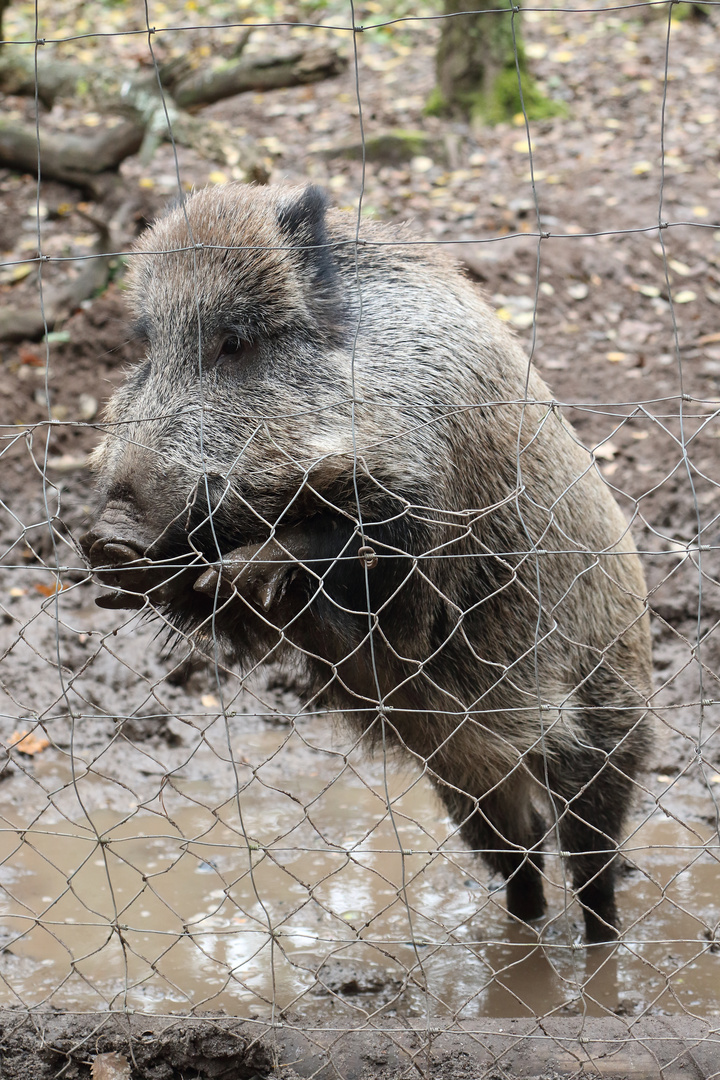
(306, 209)
(316, 198)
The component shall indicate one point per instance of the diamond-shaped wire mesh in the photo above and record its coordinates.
(347, 749)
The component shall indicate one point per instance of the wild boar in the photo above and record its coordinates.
(335, 455)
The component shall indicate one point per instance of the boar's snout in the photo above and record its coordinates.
(109, 550)
(119, 563)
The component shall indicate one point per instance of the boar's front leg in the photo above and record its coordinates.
(261, 572)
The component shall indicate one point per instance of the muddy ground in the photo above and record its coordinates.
(187, 842)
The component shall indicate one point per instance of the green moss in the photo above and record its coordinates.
(690, 11)
(501, 103)
(478, 61)
(504, 101)
(395, 147)
(436, 105)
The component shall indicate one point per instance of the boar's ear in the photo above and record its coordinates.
(302, 220)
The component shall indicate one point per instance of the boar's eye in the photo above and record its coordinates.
(232, 346)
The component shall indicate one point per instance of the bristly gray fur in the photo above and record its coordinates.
(306, 396)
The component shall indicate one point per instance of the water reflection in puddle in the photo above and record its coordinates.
(189, 904)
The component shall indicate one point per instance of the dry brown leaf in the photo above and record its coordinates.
(50, 590)
(27, 743)
(112, 1066)
(30, 357)
(606, 452)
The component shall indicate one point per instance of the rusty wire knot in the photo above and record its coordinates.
(368, 557)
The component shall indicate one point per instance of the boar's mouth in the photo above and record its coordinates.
(126, 567)
(259, 573)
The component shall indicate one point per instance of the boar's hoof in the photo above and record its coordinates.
(258, 572)
(524, 891)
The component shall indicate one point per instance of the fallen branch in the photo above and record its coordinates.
(67, 157)
(259, 73)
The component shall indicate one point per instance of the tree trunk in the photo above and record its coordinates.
(477, 64)
(473, 50)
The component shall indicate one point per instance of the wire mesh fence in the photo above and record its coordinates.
(332, 741)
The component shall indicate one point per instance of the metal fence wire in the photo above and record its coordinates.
(332, 780)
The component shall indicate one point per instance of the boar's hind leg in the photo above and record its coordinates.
(506, 830)
(591, 798)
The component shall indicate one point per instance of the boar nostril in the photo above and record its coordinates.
(109, 550)
(117, 553)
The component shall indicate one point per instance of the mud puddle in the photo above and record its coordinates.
(305, 894)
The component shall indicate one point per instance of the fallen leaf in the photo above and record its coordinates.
(50, 590)
(9, 275)
(676, 164)
(708, 339)
(685, 296)
(112, 1066)
(209, 701)
(26, 743)
(606, 452)
(615, 357)
(30, 357)
(87, 406)
(642, 167)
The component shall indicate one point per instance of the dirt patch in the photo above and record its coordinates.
(51, 1045)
